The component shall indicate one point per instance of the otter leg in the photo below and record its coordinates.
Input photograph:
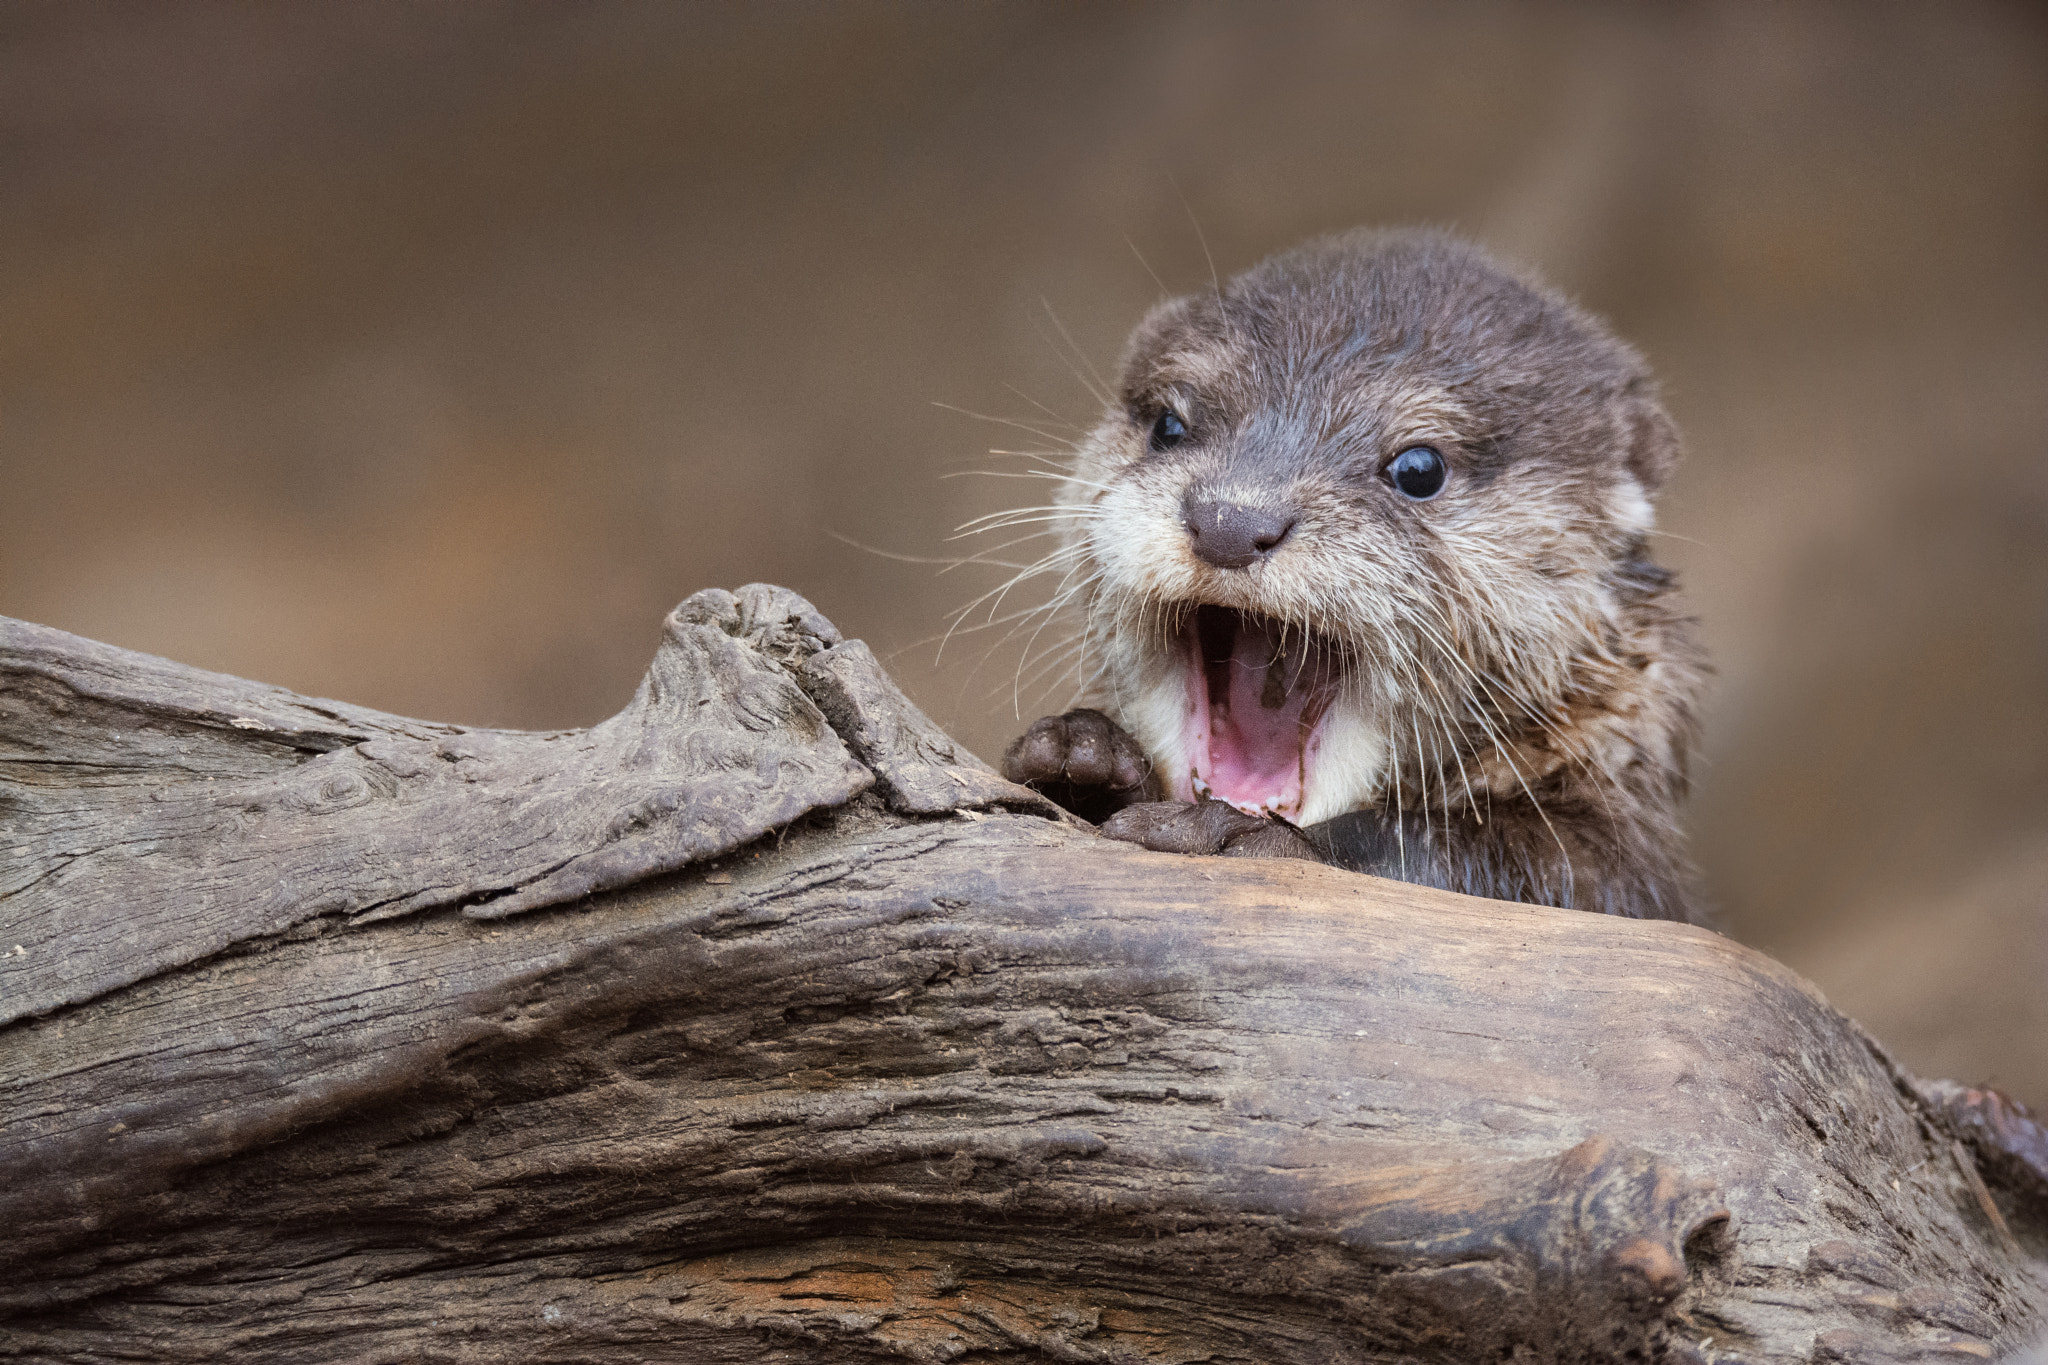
(1083, 760)
(1208, 827)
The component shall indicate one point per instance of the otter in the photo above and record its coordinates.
(1360, 558)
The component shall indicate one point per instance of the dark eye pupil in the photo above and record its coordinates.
(1168, 431)
(1418, 472)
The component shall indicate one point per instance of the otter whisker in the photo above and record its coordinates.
(1046, 464)
(1215, 283)
(1061, 597)
(1507, 756)
(1422, 777)
(994, 597)
(1006, 422)
(1054, 525)
(1024, 516)
(1056, 476)
(1090, 380)
(1400, 825)
(1079, 512)
(1013, 511)
(958, 626)
(1055, 659)
(1049, 412)
(1163, 290)
(1016, 516)
(1030, 570)
(1440, 718)
(949, 564)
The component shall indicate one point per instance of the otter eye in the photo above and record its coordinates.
(1168, 430)
(1418, 473)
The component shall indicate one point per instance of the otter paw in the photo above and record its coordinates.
(1207, 827)
(1083, 760)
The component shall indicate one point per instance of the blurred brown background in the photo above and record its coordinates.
(424, 355)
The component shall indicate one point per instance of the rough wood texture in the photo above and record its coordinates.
(759, 1023)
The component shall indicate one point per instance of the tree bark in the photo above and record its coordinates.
(761, 1023)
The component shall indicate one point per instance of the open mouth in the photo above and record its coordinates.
(1257, 693)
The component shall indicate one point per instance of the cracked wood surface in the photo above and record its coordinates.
(760, 1023)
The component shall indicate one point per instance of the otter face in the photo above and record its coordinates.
(1354, 524)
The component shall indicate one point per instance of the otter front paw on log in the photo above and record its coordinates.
(1085, 761)
(1364, 574)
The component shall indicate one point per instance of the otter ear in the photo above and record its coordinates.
(1650, 444)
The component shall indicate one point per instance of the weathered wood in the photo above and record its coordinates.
(761, 1023)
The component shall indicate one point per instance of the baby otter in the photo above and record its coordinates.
(1361, 556)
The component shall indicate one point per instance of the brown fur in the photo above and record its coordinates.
(1518, 710)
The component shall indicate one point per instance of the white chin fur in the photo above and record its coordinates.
(1347, 767)
(1150, 699)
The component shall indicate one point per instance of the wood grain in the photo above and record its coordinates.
(762, 1023)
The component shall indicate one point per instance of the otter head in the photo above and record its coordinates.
(1354, 518)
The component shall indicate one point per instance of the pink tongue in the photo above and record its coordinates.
(1257, 701)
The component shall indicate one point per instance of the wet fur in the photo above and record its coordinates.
(1520, 705)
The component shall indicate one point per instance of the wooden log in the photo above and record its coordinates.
(761, 1023)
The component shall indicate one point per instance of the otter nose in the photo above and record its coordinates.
(1231, 535)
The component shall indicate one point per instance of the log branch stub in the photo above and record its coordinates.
(761, 1022)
